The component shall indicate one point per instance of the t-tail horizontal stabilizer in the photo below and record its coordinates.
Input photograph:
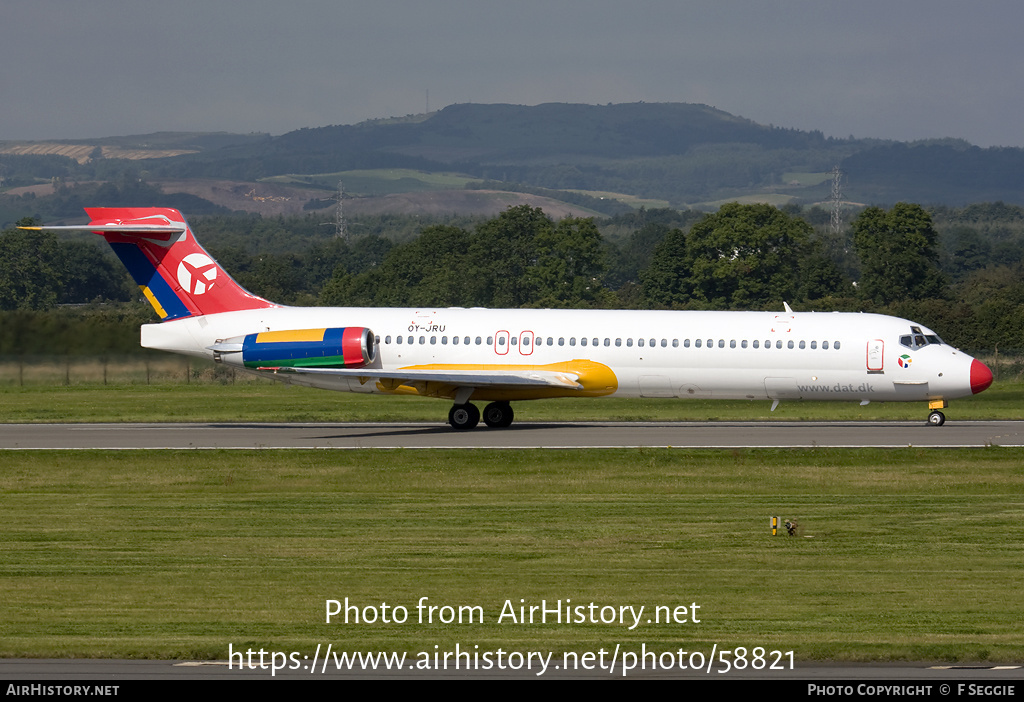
(173, 271)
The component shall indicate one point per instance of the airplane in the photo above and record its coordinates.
(499, 356)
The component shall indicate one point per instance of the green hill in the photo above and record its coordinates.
(682, 154)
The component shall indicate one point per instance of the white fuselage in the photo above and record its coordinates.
(727, 355)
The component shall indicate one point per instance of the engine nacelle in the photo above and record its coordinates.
(337, 347)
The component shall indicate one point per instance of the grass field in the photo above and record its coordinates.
(806, 179)
(249, 399)
(900, 555)
(910, 554)
(380, 181)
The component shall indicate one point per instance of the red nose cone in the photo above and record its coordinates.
(981, 376)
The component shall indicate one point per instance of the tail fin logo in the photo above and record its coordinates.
(197, 273)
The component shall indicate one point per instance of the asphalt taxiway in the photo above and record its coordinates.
(955, 434)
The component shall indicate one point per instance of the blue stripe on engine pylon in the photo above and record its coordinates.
(146, 276)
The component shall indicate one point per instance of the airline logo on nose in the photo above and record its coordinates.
(904, 361)
(196, 273)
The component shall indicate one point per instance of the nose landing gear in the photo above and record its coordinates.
(935, 417)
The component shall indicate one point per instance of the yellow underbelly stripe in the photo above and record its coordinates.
(597, 380)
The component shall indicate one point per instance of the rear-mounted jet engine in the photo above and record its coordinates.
(338, 347)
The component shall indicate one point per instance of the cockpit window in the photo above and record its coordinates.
(917, 339)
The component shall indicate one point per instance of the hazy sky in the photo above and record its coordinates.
(900, 69)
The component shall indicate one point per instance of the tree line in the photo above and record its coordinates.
(968, 287)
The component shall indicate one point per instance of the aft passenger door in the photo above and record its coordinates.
(526, 343)
(501, 343)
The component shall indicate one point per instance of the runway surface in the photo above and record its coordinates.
(122, 670)
(955, 434)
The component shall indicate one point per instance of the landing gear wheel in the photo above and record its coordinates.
(463, 417)
(936, 419)
(498, 415)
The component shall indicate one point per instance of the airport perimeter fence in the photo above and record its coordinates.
(166, 369)
(114, 370)
(1005, 365)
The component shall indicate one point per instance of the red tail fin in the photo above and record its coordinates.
(175, 273)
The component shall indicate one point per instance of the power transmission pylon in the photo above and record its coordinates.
(339, 217)
(837, 198)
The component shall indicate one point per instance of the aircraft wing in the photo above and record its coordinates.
(457, 378)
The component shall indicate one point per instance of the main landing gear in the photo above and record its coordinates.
(497, 415)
